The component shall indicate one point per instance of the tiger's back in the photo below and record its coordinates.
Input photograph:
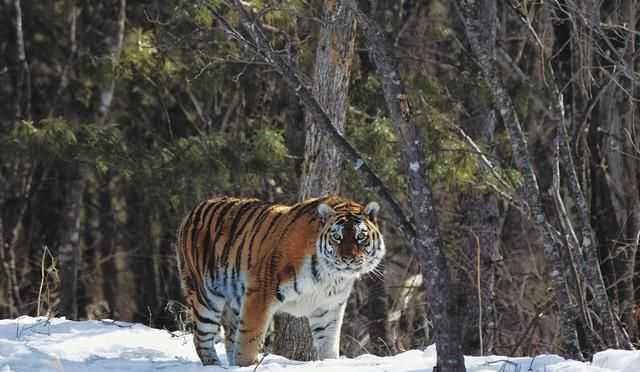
(242, 260)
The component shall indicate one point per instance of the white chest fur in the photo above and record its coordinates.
(308, 293)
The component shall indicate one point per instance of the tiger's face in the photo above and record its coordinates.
(350, 242)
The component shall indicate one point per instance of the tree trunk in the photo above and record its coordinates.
(480, 220)
(379, 342)
(22, 103)
(139, 257)
(69, 254)
(106, 247)
(630, 177)
(428, 244)
(322, 160)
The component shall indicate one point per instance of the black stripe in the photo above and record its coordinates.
(242, 210)
(299, 213)
(279, 295)
(203, 299)
(302, 211)
(273, 223)
(314, 267)
(188, 221)
(194, 225)
(204, 319)
(207, 248)
(322, 328)
(200, 223)
(295, 281)
(200, 333)
(243, 231)
(206, 339)
(219, 223)
(321, 315)
(198, 210)
(255, 230)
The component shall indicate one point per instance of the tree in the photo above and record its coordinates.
(479, 214)
(322, 160)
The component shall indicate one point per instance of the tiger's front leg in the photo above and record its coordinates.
(325, 329)
(255, 316)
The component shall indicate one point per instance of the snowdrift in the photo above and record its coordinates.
(38, 344)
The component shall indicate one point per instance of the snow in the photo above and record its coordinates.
(55, 345)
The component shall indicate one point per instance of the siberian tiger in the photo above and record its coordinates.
(243, 260)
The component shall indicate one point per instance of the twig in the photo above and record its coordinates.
(45, 251)
(479, 290)
(115, 323)
(531, 324)
(260, 361)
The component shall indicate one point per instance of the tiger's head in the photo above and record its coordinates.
(350, 243)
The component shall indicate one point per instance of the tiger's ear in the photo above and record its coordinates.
(324, 210)
(371, 210)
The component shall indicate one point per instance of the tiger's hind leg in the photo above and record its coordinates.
(206, 314)
(230, 320)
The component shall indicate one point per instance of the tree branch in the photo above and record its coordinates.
(260, 45)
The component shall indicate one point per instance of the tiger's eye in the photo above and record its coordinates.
(361, 236)
(335, 236)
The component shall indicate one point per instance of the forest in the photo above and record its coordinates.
(500, 138)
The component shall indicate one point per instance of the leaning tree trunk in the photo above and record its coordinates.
(322, 159)
(428, 244)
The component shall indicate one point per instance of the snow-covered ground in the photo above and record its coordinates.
(36, 344)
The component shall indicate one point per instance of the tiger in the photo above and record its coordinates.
(242, 260)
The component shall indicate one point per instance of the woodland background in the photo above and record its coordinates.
(118, 116)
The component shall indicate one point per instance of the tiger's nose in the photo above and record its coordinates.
(348, 250)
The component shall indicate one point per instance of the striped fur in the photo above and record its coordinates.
(243, 260)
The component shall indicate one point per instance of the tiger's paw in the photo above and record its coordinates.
(243, 360)
(210, 362)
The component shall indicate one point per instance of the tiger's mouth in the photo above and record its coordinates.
(355, 268)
